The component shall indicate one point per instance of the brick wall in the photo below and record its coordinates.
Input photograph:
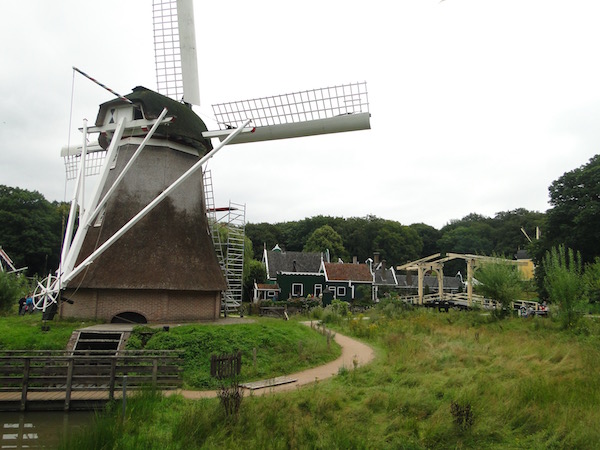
(155, 305)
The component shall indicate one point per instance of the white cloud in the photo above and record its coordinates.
(476, 106)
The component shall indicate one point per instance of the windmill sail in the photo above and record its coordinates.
(175, 50)
(327, 110)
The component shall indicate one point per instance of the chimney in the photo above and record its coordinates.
(383, 265)
(294, 266)
(375, 258)
(355, 260)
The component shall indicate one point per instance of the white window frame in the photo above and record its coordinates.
(341, 291)
(294, 286)
(318, 291)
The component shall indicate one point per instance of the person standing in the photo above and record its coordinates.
(22, 302)
(29, 303)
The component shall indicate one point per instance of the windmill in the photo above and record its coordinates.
(142, 249)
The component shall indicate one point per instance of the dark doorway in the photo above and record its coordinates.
(129, 317)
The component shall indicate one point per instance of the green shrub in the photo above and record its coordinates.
(12, 287)
(564, 284)
(501, 282)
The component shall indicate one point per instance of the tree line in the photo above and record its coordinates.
(361, 237)
(31, 229)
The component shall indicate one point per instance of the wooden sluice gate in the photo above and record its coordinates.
(73, 380)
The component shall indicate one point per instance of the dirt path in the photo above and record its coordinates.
(352, 351)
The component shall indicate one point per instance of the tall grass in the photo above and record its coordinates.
(527, 383)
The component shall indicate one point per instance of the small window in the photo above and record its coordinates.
(341, 291)
(318, 290)
(297, 290)
(137, 112)
(271, 294)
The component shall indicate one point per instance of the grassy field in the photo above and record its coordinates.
(25, 332)
(270, 348)
(440, 380)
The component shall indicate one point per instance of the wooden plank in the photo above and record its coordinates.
(269, 383)
(69, 384)
(25, 384)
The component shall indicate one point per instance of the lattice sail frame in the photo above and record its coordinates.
(297, 107)
(175, 53)
(167, 53)
(93, 162)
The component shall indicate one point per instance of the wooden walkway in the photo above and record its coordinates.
(57, 380)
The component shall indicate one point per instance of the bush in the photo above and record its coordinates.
(501, 282)
(564, 283)
(336, 312)
(12, 287)
(591, 279)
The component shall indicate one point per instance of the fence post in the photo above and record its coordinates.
(113, 371)
(154, 371)
(124, 394)
(69, 384)
(25, 383)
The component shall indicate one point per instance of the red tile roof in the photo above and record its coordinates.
(348, 272)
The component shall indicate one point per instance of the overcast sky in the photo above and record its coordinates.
(477, 105)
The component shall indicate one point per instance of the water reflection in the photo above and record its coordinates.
(39, 429)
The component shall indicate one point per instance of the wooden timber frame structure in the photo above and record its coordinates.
(82, 380)
(436, 262)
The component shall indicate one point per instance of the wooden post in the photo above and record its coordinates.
(111, 385)
(26, 368)
(69, 384)
(154, 371)
(420, 275)
(124, 394)
(470, 269)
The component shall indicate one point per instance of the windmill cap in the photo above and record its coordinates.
(187, 128)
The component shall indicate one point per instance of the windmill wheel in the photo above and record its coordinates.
(46, 293)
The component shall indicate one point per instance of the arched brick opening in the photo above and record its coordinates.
(129, 317)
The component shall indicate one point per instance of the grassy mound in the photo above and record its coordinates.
(269, 347)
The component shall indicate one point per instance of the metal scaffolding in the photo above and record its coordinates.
(228, 231)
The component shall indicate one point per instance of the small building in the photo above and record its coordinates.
(525, 264)
(264, 291)
(384, 277)
(344, 279)
(296, 274)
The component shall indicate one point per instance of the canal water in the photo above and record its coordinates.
(40, 429)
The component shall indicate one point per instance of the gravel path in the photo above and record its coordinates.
(353, 353)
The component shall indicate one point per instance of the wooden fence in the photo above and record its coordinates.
(225, 366)
(70, 372)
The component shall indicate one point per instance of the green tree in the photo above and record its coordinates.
(397, 243)
(507, 235)
(326, 238)
(30, 229)
(500, 281)
(263, 234)
(430, 237)
(562, 267)
(591, 278)
(471, 234)
(12, 287)
(575, 214)
(254, 271)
